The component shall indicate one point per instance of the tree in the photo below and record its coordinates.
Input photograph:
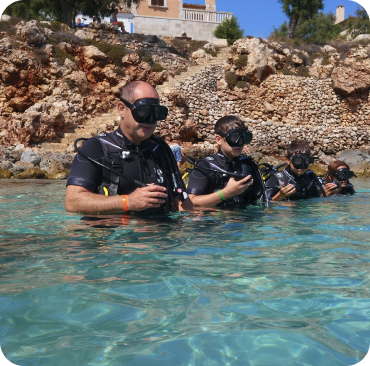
(63, 10)
(229, 29)
(300, 9)
(359, 24)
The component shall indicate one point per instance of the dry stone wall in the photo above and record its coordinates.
(279, 110)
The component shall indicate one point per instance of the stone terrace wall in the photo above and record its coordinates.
(281, 109)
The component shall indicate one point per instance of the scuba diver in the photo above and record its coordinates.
(227, 178)
(129, 169)
(339, 176)
(296, 181)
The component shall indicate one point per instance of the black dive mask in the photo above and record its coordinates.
(147, 110)
(237, 137)
(302, 161)
(343, 175)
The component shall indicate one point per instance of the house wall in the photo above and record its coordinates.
(170, 10)
(211, 5)
(197, 30)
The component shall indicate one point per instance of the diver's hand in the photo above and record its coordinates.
(331, 188)
(234, 188)
(143, 198)
(284, 193)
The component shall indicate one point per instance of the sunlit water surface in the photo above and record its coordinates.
(283, 285)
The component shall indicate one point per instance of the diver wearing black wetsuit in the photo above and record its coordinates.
(146, 163)
(306, 185)
(203, 182)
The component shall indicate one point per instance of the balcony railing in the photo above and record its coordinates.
(205, 15)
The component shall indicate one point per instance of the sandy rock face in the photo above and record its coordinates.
(260, 62)
(320, 71)
(30, 32)
(349, 81)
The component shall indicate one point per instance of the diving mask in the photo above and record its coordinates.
(237, 137)
(302, 161)
(146, 110)
(343, 175)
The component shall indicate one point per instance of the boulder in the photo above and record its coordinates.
(5, 18)
(5, 43)
(200, 57)
(78, 78)
(362, 37)
(329, 49)
(320, 71)
(130, 59)
(209, 47)
(84, 34)
(30, 32)
(93, 53)
(348, 81)
(29, 156)
(358, 161)
(260, 62)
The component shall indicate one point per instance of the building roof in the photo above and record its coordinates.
(193, 6)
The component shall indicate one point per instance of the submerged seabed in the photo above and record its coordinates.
(283, 285)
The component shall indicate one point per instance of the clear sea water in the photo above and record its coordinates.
(283, 285)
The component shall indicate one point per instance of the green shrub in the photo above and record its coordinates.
(212, 53)
(325, 62)
(56, 26)
(140, 53)
(68, 38)
(147, 58)
(230, 30)
(61, 55)
(11, 32)
(157, 67)
(70, 83)
(303, 71)
(114, 52)
(241, 62)
(119, 71)
(286, 72)
(195, 45)
(241, 84)
(231, 79)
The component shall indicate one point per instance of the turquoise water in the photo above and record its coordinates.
(284, 285)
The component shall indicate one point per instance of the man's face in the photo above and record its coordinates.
(296, 171)
(134, 131)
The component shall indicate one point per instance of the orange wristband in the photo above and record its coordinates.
(124, 202)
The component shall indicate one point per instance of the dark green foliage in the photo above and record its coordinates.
(147, 58)
(114, 52)
(70, 83)
(61, 55)
(140, 53)
(303, 71)
(297, 10)
(157, 67)
(241, 62)
(119, 71)
(55, 26)
(359, 24)
(318, 29)
(241, 84)
(59, 37)
(63, 10)
(231, 79)
(230, 30)
(325, 62)
(323, 55)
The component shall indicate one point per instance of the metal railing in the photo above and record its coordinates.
(205, 15)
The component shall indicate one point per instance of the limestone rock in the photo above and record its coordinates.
(200, 57)
(92, 52)
(5, 18)
(348, 81)
(30, 32)
(210, 47)
(84, 34)
(131, 59)
(30, 157)
(362, 37)
(5, 43)
(260, 62)
(357, 160)
(320, 71)
(80, 81)
(329, 49)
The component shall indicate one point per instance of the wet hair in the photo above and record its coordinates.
(298, 147)
(333, 166)
(226, 123)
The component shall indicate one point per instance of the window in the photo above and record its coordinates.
(157, 2)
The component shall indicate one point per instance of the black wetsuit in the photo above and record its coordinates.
(146, 162)
(202, 182)
(306, 185)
